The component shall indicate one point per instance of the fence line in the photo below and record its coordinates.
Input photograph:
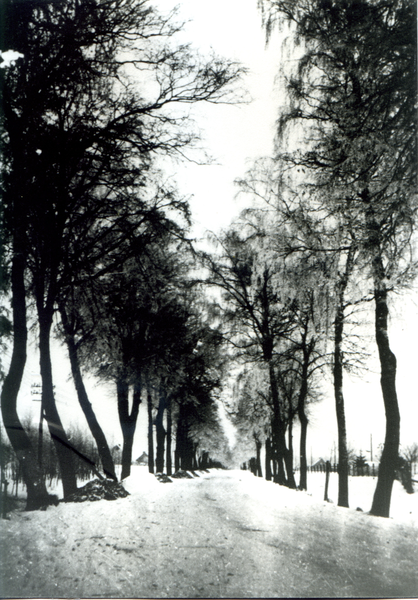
(356, 471)
(365, 470)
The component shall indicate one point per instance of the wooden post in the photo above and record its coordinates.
(327, 471)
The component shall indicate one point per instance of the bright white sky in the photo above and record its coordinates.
(235, 136)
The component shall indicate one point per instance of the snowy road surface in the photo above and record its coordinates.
(225, 534)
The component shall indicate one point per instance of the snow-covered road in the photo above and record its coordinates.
(224, 534)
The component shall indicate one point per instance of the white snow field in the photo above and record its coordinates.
(224, 534)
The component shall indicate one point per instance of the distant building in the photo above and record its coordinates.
(142, 460)
(319, 465)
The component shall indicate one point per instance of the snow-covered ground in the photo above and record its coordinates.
(223, 534)
(404, 507)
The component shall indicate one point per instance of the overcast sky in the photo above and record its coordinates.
(233, 135)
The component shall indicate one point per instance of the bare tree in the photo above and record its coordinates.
(355, 92)
(79, 134)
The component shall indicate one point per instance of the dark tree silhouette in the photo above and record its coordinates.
(77, 129)
(258, 317)
(355, 88)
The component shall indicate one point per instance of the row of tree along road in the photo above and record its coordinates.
(92, 230)
(335, 227)
(95, 235)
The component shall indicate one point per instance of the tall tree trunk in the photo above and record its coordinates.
(204, 462)
(303, 483)
(96, 430)
(160, 434)
(150, 431)
(307, 350)
(278, 433)
(194, 461)
(279, 474)
(168, 462)
(389, 460)
(186, 457)
(179, 443)
(65, 453)
(127, 420)
(338, 382)
(268, 459)
(277, 422)
(339, 409)
(128, 440)
(184, 446)
(258, 456)
(390, 454)
(37, 495)
(177, 453)
(274, 463)
(290, 436)
(303, 419)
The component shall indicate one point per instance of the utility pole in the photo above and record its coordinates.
(36, 391)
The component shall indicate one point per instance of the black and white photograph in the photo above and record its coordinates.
(208, 299)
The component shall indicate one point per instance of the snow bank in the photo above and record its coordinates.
(404, 507)
(140, 480)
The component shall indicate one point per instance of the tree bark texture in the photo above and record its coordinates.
(390, 454)
(160, 434)
(389, 460)
(176, 458)
(177, 454)
(290, 437)
(303, 483)
(63, 448)
(127, 421)
(150, 432)
(258, 456)
(195, 464)
(278, 435)
(343, 470)
(184, 445)
(279, 474)
(204, 461)
(169, 466)
(268, 459)
(303, 419)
